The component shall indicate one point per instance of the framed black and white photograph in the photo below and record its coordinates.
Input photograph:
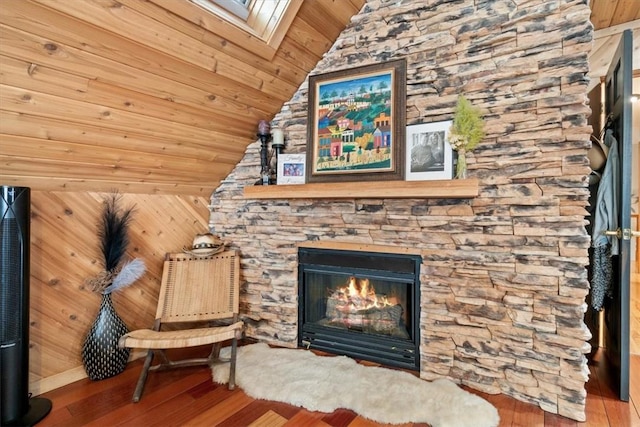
(291, 169)
(428, 153)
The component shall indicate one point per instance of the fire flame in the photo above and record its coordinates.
(359, 294)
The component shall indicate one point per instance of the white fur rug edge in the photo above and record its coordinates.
(301, 378)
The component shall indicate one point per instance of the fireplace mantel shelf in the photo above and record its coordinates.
(446, 189)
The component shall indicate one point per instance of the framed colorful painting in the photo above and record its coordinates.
(356, 124)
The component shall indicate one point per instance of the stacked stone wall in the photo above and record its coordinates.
(503, 279)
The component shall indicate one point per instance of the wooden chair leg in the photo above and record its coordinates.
(215, 352)
(232, 367)
(143, 377)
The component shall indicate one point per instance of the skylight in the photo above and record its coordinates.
(266, 21)
(239, 8)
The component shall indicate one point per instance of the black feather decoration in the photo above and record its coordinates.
(113, 233)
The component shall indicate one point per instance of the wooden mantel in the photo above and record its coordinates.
(446, 189)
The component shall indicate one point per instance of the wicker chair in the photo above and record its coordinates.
(195, 290)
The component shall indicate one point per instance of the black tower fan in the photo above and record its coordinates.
(16, 406)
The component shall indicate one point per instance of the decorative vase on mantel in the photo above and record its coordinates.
(461, 165)
(100, 353)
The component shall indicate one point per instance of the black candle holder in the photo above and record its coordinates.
(265, 157)
(265, 134)
(277, 150)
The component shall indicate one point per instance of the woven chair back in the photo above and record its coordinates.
(199, 288)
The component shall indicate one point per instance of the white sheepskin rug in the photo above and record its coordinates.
(326, 383)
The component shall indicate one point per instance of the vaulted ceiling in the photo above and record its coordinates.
(156, 96)
(152, 97)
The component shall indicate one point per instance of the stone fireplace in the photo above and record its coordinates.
(502, 277)
(360, 304)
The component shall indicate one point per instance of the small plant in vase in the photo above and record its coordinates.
(100, 353)
(467, 130)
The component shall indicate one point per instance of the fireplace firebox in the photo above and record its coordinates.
(360, 304)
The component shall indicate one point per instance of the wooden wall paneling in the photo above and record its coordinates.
(600, 18)
(276, 66)
(45, 160)
(605, 13)
(230, 56)
(51, 81)
(37, 103)
(198, 209)
(627, 10)
(161, 219)
(98, 162)
(65, 253)
(600, 57)
(49, 149)
(19, 73)
(61, 169)
(190, 19)
(27, 125)
(107, 94)
(313, 14)
(357, 4)
(342, 15)
(307, 36)
(104, 45)
(296, 55)
(45, 183)
(29, 47)
(33, 48)
(52, 312)
(120, 19)
(236, 55)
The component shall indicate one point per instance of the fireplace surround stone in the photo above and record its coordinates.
(503, 280)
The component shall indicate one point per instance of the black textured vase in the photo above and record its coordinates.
(100, 353)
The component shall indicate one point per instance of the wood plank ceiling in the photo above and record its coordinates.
(152, 97)
(610, 18)
(158, 96)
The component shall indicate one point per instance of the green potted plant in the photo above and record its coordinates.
(467, 130)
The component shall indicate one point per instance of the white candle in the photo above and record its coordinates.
(278, 137)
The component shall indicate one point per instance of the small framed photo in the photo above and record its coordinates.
(291, 168)
(428, 153)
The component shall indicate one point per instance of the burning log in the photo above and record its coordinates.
(385, 319)
(357, 306)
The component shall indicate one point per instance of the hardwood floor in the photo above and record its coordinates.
(188, 397)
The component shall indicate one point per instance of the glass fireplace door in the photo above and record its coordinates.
(360, 304)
